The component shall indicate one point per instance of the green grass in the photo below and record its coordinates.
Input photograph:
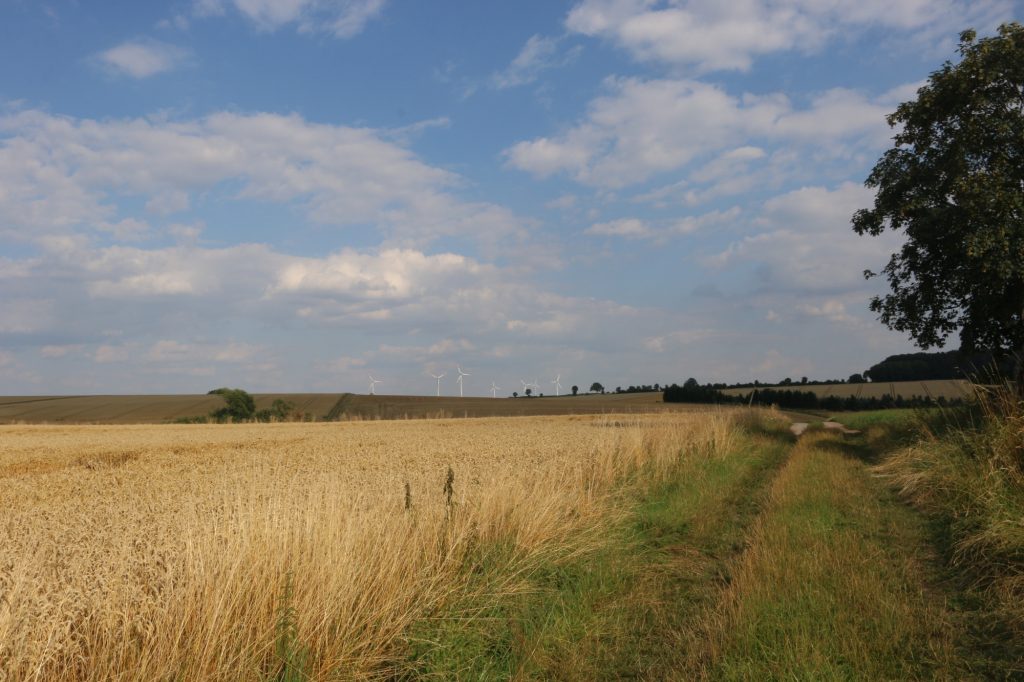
(618, 612)
(834, 583)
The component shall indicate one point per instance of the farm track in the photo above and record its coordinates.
(836, 579)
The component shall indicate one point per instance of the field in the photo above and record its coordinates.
(159, 552)
(700, 544)
(158, 409)
(949, 389)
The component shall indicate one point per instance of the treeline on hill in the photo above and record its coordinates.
(952, 364)
(693, 392)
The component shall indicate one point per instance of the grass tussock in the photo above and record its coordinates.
(970, 478)
(301, 551)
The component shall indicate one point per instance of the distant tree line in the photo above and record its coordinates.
(692, 392)
(644, 388)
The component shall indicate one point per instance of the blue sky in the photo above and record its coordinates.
(290, 195)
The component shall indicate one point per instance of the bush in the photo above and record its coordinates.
(239, 406)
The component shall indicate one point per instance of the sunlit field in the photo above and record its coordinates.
(254, 551)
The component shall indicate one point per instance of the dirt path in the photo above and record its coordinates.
(797, 428)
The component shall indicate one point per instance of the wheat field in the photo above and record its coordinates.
(218, 552)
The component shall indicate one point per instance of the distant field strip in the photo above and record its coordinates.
(949, 389)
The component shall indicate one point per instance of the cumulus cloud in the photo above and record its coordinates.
(644, 127)
(58, 174)
(128, 309)
(710, 36)
(340, 18)
(143, 58)
(803, 241)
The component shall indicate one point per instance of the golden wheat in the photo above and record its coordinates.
(163, 552)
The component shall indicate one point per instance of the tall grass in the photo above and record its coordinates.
(288, 551)
(970, 477)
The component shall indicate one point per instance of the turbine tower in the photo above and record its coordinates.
(438, 377)
(459, 380)
(558, 386)
(494, 390)
(373, 382)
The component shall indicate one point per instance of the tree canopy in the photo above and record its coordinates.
(954, 184)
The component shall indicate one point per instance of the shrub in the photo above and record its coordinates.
(239, 406)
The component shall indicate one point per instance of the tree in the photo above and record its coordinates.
(596, 388)
(515, 394)
(239, 405)
(529, 392)
(575, 390)
(855, 379)
(954, 183)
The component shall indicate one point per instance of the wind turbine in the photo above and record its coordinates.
(373, 382)
(558, 386)
(494, 390)
(459, 380)
(438, 377)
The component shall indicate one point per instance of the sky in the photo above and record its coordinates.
(291, 195)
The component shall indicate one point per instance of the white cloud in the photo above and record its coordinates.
(143, 58)
(708, 35)
(804, 241)
(645, 127)
(831, 309)
(635, 228)
(539, 54)
(178, 352)
(59, 174)
(678, 339)
(340, 18)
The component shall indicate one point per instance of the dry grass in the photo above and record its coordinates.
(970, 477)
(234, 552)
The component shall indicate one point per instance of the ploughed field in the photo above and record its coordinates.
(159, 409)
(223, 551)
